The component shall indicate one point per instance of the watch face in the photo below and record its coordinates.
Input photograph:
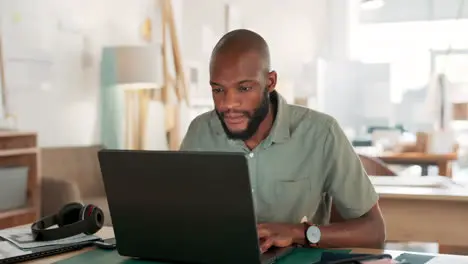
(313, 234)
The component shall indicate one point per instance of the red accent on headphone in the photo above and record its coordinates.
(90, 210)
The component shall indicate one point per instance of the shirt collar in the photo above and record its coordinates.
(280, 132)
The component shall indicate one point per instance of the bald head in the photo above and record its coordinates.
(241, 83)
(240, 42)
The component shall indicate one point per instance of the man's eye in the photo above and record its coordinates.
(217, 90)
(244, 88)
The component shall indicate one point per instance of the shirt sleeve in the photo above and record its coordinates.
(346, 180)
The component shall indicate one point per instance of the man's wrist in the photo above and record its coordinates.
(298, 234)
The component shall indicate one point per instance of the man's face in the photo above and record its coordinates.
(241, 89)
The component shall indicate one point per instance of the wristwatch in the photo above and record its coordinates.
(312, 234)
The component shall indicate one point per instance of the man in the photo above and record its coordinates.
(298, 158)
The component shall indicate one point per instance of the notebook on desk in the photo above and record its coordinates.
(17, 245)
(9, 253)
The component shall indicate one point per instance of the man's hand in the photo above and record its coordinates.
(279, 235)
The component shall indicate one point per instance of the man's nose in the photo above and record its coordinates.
(231, 100)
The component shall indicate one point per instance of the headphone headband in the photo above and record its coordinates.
(72, 219)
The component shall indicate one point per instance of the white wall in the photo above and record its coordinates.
(70, 35)
(293, 30)
(341, 95)
(64, 106)
(202, 19)
(414, 10)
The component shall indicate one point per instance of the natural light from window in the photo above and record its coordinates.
(408, 47)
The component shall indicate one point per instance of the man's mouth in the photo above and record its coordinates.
(234, 119)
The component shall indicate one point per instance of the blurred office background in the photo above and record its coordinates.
(87, 74)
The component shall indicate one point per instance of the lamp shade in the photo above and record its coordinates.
(137, 66)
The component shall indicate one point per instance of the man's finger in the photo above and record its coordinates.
(266, 243)
(282, 241)
(263, 232)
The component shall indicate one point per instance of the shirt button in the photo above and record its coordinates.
(251, 155)
(253, 190)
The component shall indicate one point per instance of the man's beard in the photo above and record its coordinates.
(255, 119)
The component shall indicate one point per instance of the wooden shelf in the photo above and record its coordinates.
(20, 149)
(17, 152)
(17, 217)
(16, 134)
(15, 212)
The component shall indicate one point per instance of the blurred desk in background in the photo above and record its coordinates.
(442, 161)
(425, 214)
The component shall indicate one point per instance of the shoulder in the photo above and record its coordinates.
(303, 119)
(200, 131)
(203, 123)
(203, 120)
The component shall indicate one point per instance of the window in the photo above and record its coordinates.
(407, 46)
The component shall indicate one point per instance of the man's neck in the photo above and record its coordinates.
(263, 130)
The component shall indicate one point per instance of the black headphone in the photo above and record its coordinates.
(72, 219)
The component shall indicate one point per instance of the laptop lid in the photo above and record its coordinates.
(193, 207)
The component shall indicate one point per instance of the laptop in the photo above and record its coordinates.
(182, 206)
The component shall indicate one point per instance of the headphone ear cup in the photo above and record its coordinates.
(93, 216)
(69, 214)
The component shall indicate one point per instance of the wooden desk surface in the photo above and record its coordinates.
(391, 157)
(416, 157)
(108, 232)
(406, 210)
(449, 193)
(442, 161)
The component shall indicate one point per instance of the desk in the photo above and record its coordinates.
(442, 161)
(107, 232)
(424, 214)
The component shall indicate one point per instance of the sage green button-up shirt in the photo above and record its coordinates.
(304, 161)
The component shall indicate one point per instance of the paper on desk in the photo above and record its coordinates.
(22, 238)
(448, 259)
(402, 181)
(7, 250)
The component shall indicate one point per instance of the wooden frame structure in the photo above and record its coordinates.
(172, 93)
(178, 82)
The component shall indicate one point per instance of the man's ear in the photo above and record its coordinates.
(272, 79)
